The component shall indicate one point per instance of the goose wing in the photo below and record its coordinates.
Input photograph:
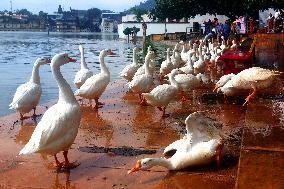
(56, 131)
(26, 94)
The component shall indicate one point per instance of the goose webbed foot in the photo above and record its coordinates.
(66, 164)
(218, 153)
(163, 110)
(251, 96)
(98, 104)
(143, 102)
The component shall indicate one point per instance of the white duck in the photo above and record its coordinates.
(84, 73)
(176, 57)
(143, 83)
(94, 86)
(59, 125)
(203, 143)
(188, 82)
(166, 66)
(234, 45)
(254, 78)
(200, 65)
(223, 80)
(183, 54)
(141, 70)
(162, 95)
(188, 68)
(129, 71)
(27, 95)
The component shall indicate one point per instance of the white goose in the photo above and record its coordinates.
(94, 86)
(188, 82)
(141, 70)
(254, 78)
(176, 57)
(223, 80)
(203, 143)
(27, 95)
(59, 125)
(188, 68)
(200, 65)
(84, 73)
(166, 66)
(143, 83)
(183, 54)
(162, 95)
(129, 71)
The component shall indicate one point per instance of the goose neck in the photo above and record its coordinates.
(103, 66)
(35, 78)
(162, 162)
(83, 62)
(173, 81)
(65, 91)
(147, 64)
(135, 58)
(168, 56)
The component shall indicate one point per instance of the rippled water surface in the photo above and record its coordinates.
(19, 50)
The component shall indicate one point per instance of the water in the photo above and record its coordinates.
(19, 50)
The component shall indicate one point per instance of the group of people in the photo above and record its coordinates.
(226, 30)
(275, 22)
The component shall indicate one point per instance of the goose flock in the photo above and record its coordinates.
(185, 70)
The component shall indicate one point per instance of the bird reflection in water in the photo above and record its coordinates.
(59, 180)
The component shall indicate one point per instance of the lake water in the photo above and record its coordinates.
(19, 50)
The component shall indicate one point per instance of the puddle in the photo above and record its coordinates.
(119, 151)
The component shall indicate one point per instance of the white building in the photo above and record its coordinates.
(108, 25)
(159, 28)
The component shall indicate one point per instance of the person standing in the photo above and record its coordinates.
(226, 31)
(270, 22)
(238, 32)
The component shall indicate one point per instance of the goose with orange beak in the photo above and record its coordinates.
(94, 86)
(27, 95)
(203, 144)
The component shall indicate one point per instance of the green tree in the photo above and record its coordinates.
(127, 31)
(24, 12)
(177, 9)
(138, 13)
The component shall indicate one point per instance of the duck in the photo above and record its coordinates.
(254, 79)
(188, 68)
(183, 54)
(59, 125)
(143, 83)
(234, 45)
(94, 86)
(187, 82)
(202, 144)
(162, 95)
(27, 95)
(176, 57)
(129, 71)
(141, 70)
(223, 80)
(199, 66)
(84, 73)
(166, 66)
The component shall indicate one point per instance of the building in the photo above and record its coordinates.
(171, 26)
(110, 22)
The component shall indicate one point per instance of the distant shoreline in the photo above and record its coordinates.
(45, 31)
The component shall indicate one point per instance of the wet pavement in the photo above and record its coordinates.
(111, 139)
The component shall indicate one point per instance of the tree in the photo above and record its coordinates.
(127, 31)
(24, 12)
(138, 13)
(177, 9)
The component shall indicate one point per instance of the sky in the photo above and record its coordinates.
(51, 6)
